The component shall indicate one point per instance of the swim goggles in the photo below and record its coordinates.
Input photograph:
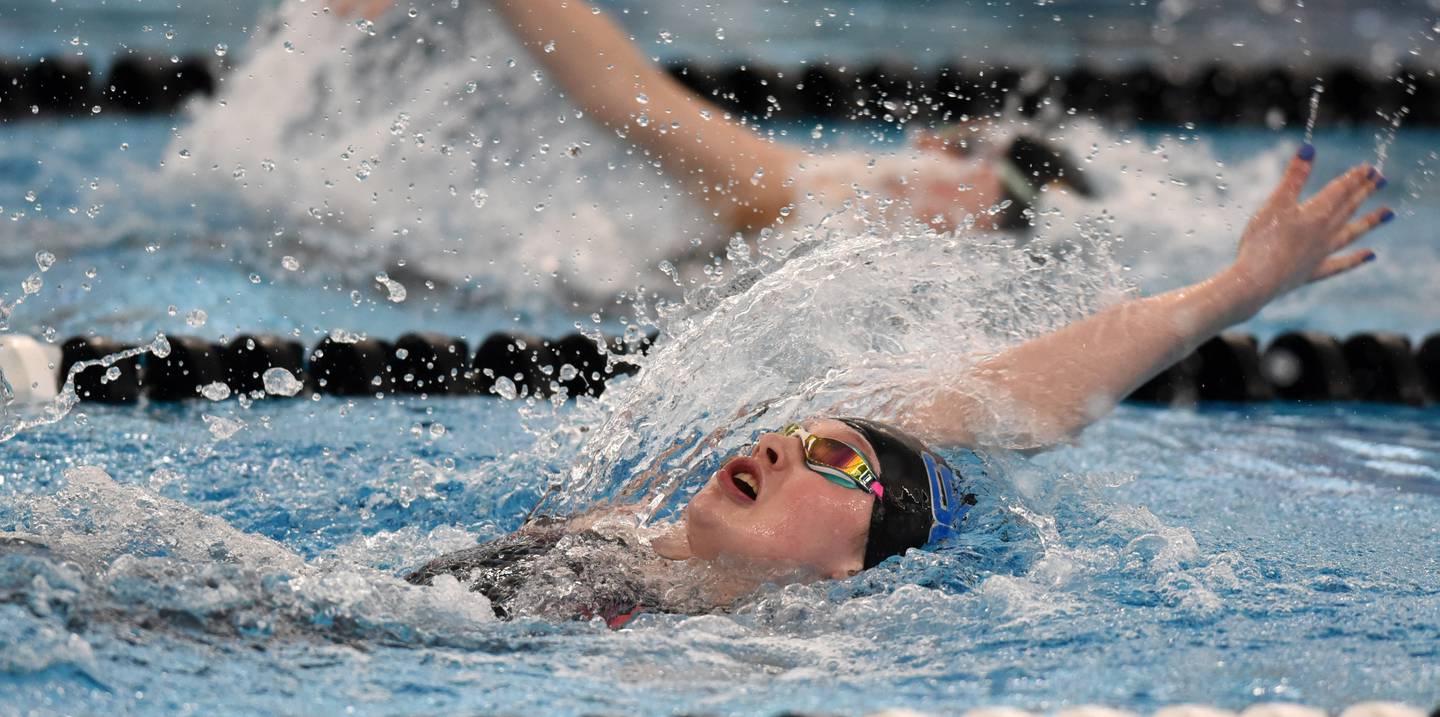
(838, 461)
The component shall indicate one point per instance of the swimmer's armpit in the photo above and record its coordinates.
(1061, 382)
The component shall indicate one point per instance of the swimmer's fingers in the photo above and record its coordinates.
(1338, 200)
(1295, 177)
(1341, 264)
(1359, 227)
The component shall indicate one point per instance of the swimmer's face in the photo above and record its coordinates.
(949, 179)
(796, 515)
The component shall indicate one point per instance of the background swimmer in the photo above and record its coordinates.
(779, 511)
(749, 182)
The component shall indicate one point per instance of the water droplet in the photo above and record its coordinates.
(479, 196)
(222, 428)
(169, 33)
(184, 153)
(31, 196)
(667, 37)
(549, 47)
(160, 347)
(400, 124)
(719, 33)
(413, 13)
(255, 278)
(32, 284)
(222, 50)
(505, 388)
(289, 46)
(95, 110)
(111, 374)
(197, 318)
(471, 86)
(437, 430)
(289, 263)
(216, 391)
(44, 260)
(642, 98)
(279, 382)
(395, 291)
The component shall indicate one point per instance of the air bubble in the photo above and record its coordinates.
(289, 263)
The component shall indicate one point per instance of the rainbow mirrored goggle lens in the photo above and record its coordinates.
(839, 462)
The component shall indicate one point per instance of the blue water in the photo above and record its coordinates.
(1225, 555)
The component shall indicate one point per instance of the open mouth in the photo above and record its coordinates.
(741, 479)
(747, 484)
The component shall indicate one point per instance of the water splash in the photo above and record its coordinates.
(13, 422)
(1315, 91)
(1386, 136)
(450, 165)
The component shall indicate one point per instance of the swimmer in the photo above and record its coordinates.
(832, 496)
(749, 182)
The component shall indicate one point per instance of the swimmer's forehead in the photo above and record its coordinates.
(841, 431)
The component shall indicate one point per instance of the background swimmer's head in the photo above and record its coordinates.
(796, 515)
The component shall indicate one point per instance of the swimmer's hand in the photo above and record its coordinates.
(1289, 243)
(1049, 388)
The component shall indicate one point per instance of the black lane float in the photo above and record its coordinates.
(1211, 94)
(1301, 366)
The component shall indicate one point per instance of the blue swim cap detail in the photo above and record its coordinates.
(924, 500)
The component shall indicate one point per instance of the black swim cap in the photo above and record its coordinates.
(923, 502)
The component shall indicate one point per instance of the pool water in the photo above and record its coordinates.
(224, 557)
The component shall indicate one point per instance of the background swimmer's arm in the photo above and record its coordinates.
(736, 173)
(1052, 386)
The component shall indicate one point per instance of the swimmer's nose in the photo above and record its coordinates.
(776, 452)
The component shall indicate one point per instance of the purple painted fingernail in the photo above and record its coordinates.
(1380, 184)
(1369, 257)
(1306, 153)
(1386, 216)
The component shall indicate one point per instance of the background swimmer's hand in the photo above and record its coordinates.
(368, 9)
(1289, 243)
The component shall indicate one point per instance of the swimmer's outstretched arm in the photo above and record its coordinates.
(739, 175)
(1052, 386)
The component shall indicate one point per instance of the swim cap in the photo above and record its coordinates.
(923, 500)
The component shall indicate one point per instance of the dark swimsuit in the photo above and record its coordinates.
(501, 570)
